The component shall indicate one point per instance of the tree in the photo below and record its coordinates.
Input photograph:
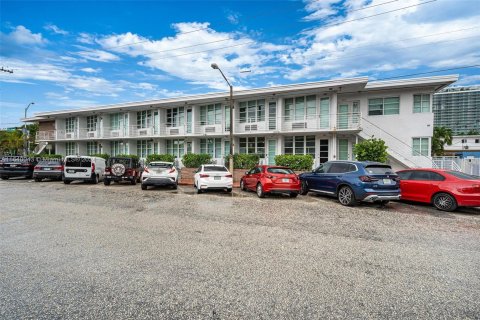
(11, 142)
(371, 150)
(441, 136)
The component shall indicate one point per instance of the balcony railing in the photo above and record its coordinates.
(320, 123)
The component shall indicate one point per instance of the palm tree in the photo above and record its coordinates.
(441, 136)
(11, 141)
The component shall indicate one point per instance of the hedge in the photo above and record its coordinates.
(133, 156)
(193, 160)
(295, 162)
(45, 156)
(160, 157)
(243, 161)
(101, 155)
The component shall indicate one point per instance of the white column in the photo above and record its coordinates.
(333, 110)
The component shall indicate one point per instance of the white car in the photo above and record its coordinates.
(159, 173)
(213, 177)
(83, 168)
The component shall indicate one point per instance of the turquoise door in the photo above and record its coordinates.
(343, 149)
(343, 116)
(272, 151)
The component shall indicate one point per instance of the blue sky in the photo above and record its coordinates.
(71, 54)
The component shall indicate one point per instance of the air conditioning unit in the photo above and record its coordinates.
(209, 129)
(174, 131)
(68, 135)
(251, 127)
(115, 134)
(143, 132)
(91, 134)
(299, 125)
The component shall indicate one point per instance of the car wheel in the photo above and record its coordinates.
(66, 181)
(175, 186)
(133, 181)
(107, 182)
(346, 196)
(95, 179)
(38, 179)
(4, 178)
(144, 187)
(293, 195)
(242, 185)
(383, 202)
(304, 188)
(229, 190)
(198, 189)
(444, 202)
(260, 192)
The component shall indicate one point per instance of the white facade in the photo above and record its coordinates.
(324, 119)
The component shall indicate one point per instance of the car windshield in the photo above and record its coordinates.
(78, 162)
(124, 161)
(160, 165)
(379, 169)
(463, 176)
(215, 168)
(50, 163)
(280, 170)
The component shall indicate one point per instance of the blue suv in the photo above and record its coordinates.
(353, 181)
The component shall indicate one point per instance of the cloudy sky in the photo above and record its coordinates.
(69, 54)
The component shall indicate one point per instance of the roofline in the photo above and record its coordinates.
(441, 81)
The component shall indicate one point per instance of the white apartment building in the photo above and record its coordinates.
(324, 119)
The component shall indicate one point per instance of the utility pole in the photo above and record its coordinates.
(6, 70)
(25, 144)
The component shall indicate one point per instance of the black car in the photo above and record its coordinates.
(14, 166)
(48, 169)
(122, 169)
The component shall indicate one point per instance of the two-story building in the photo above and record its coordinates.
(324, 119)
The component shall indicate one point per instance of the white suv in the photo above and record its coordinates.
(83, 168)
(213, 177)
(159, 173)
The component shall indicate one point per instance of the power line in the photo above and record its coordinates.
(430, 72)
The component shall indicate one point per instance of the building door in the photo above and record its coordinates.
(272, 116)
(189, 120)
(156, 123)
(355, 113)
(342, 149)
(272, 151)
(323, 150)
(342, 116)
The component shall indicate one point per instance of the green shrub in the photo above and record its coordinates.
(371, 150)
(101, 155)
(160, 157)
(45, 156)
(297, 162)
(193, 160)
(243, 161)
(133, 156)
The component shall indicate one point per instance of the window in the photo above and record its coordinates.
(115, 120)
(343, 153)
(421, 175)
(340, 167)
(144, 119)
(211, 146)
(300, 108)
(252, 111)
(214, 168)
(323, 150)
(421, 103)
(253, 145)
(420, 147)
(462, 175)
(175, 147)
(477, 140)
(70, 148)
(92, 123)
(211, 114)
(92, 147)
(280, 170)
(70, 124)
(175, 117)
(383, 106)
(299, 145)
(144, 148)
(378, 169)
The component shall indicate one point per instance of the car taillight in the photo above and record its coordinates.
(367, 179)
(172, 170)
(25, 164)
(58, 168)
(269, 177)
(204, 175)
(108, 170)
(474, 188)
(93, 167)
(36, 168)
(228, 176)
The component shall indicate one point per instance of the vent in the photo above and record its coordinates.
(209, 129)
(174, 131)
(68, 135)
(91, 134)
(251, 127)
(299, 125)
(142, 132)
(115, 134)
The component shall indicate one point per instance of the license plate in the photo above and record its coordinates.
(47, 169)
(285, 180)
(71, 171)
(387, 181)
(217, 178)
(13, 165)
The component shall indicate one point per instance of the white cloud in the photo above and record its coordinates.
(173, 55)
(320, 9)
(91, 70)
(468, 80)
(233, 17)
(85, 38)
(97, 55)
(384, 42)
(23, 36)
(53, 28)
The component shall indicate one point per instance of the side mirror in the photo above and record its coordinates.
(246, 172)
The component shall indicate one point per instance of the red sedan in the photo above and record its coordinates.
(445, 189)
(271, 179)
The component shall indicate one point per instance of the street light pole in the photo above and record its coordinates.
(25, 144)
(230, 164)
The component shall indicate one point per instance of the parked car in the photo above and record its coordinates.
(353, 181)
(445, 189)
(48, 169)
(159, 173)
(122, 169)
(84, 168)
(14, 166)
(271, 179)
(212, 177)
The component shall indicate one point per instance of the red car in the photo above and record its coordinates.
(271, 179)
(445, 189)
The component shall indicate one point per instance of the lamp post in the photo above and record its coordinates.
(230, 157)
(25, 144)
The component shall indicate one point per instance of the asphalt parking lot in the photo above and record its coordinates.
(85, 251)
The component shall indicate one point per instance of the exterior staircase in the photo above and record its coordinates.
(40, 147)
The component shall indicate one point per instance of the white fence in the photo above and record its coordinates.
(467, 165)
